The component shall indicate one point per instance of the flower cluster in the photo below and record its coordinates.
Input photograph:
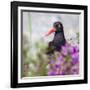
(65, 62)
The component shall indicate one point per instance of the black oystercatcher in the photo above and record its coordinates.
(59, 38)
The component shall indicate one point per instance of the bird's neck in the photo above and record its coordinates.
(59, 35)
(58, 32)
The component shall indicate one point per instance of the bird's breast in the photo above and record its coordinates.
(58, 38)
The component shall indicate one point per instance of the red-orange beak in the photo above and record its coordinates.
(50, 31)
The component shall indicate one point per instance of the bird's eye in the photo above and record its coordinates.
(56, 25)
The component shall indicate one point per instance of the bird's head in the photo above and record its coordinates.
(57, 27)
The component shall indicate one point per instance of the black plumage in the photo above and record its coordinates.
(58, 40)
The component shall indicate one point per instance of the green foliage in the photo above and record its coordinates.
(35, 64)
(78, 37)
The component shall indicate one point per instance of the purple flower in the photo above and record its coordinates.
(59, 61)
(64, 50)
(52, 61)
(57, 66)
(63, 73)
(73, 49)
(66, 62)
(75, 58)
(75, 70)
(51, 73)
(67, 45)
(60, 58)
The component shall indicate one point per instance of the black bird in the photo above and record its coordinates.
(59, 38)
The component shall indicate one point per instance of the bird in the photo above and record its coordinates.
(58, 40)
